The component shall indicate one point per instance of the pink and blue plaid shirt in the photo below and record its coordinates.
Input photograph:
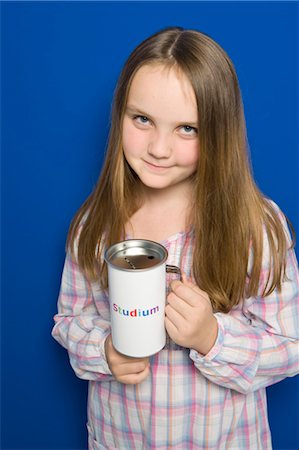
(188, 401)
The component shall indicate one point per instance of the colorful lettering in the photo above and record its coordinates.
(135, 312)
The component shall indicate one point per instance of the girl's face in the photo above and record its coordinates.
(160, 136)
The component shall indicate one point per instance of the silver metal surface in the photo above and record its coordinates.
(173, 269)
(136, 254)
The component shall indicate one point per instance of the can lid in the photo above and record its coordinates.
(136, 254)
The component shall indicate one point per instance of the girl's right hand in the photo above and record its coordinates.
(125, 369)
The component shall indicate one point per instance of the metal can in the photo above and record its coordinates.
(137, 292)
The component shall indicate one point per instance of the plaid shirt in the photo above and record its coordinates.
(188, 401)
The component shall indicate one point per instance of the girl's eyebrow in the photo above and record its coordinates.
(131, 109)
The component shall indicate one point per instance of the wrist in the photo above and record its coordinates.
(103, 353)
(107, 344)
(209, 338)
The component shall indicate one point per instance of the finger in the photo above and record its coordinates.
(135, 365)
(187, 281)
(124, 359)
(174, 316)
(187, 290)
(120, 363)
(187, 293)
(129, 369)
(179, 305)
(134, 378)
(171, 329)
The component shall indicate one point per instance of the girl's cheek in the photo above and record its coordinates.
(132, 137)
(134, 142)
(188, 154)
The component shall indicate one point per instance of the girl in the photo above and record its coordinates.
(177, 172)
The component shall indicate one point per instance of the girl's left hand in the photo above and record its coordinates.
(189, 317)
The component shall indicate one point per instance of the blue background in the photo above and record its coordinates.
(60, 63)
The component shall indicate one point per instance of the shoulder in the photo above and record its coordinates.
(74, 235)
(271, 205)
(277, 217)
(277, 237)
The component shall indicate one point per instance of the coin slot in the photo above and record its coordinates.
(130, 263)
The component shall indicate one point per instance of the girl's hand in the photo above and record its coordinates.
(189, 317)
(125, 369)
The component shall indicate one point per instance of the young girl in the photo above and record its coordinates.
(177, 172)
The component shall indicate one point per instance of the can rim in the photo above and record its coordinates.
(131, 243)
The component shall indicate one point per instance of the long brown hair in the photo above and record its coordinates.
(230, 212)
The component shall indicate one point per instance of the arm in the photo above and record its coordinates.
(82, 324)
(258, 342)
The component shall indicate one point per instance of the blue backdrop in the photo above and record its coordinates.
(60, 62)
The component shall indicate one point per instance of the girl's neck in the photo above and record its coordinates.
(165, 198)
(162, 214)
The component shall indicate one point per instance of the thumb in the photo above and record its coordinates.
(186, 281)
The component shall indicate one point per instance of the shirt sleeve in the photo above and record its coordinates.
(82, 324)
(258, 342)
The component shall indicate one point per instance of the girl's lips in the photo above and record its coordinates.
(156, 167)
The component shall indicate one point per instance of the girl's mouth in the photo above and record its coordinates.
(156, 167)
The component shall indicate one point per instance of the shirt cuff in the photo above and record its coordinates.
(198, 358)
(105, 368)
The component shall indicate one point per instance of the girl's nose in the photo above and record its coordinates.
(160, 145)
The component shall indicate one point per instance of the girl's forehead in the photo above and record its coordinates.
(163, 69)
(166, 85)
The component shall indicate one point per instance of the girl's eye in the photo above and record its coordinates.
(187, 130)
(143, 120)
